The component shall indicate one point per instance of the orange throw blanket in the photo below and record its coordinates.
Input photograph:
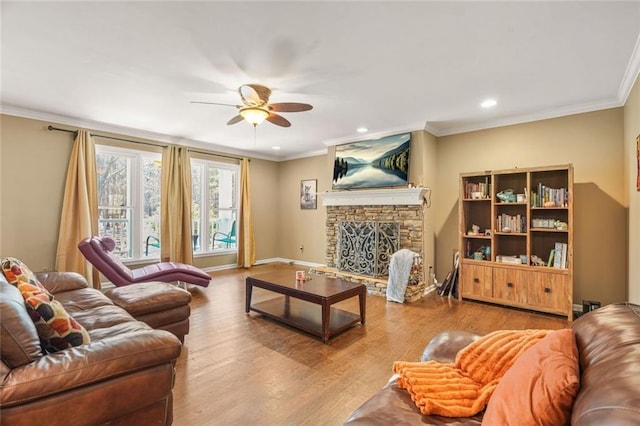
(463, 389)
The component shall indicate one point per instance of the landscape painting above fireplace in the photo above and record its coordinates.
(372, 163)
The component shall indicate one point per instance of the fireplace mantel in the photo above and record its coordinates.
(374, 197)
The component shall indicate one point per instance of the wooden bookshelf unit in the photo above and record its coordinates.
(516, 238)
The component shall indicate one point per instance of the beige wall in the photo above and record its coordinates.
(265, 205)
(297, 227)
(631, 132)
(32, 175)
(423, 171)
(593, 143)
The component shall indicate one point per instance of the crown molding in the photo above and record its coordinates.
(304, 155)
(630, 74)
(431, 129)
(528, 118)
(129, 132)
(369, 136)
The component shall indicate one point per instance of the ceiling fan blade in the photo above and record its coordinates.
(278, 120)
(254, 94)
(213, 103)
(290, 107)
(238, 118)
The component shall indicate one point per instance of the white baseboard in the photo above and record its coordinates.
(220, 267)
(106, 285)
(289, 261)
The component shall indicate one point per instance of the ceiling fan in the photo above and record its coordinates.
(256, 107)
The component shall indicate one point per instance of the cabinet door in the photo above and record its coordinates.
(550, 291)
(510, 285)
(476, 281)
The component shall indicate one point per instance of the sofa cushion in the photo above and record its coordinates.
(608, 341)
(19, 341)
(540, 386)
(56, 328)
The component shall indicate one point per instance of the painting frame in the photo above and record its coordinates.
(308, 194)
(638, 162)
(372, 163)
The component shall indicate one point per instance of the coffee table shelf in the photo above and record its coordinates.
(305, 316)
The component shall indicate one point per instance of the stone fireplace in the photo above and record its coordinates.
(401, 206)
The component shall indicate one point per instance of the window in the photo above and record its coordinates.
(215, 206)
(129, 200)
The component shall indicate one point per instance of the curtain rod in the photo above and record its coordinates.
(217, 155)
(50, 127)
(107, 137)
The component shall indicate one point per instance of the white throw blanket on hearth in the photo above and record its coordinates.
(399, 271)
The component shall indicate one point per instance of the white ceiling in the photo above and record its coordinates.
(134, 67)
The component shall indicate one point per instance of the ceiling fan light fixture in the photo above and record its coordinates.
(254, 115)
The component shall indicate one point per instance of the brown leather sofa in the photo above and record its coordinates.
(125, 376)
(608, 342)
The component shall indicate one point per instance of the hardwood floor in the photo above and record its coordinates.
(243, 369)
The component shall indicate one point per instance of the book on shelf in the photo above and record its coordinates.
(482, 188)
(515, 223)
(513, 260)
(551, 256)
(557, 255)
(560, 256)
(559, 196)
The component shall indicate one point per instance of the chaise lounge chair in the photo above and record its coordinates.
(97, 250)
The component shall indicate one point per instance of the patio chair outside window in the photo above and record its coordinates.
(227, 239)
(151, 241)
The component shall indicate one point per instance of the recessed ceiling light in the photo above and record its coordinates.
(488, 103)
(275, 148)
(362, 130)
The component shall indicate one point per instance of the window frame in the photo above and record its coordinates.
(136, 181)
(204, 233)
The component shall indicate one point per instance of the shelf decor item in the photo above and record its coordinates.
(524, 258)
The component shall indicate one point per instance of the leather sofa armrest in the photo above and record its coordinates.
(83, 365)
(445, 346)
(57, 282)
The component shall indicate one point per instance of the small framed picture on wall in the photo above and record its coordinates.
(308, 196)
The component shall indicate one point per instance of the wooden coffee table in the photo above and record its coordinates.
(296, 307)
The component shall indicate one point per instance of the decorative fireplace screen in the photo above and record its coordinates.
(365, 247)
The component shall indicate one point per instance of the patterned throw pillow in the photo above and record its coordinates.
(14, 270)
(56, 328)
